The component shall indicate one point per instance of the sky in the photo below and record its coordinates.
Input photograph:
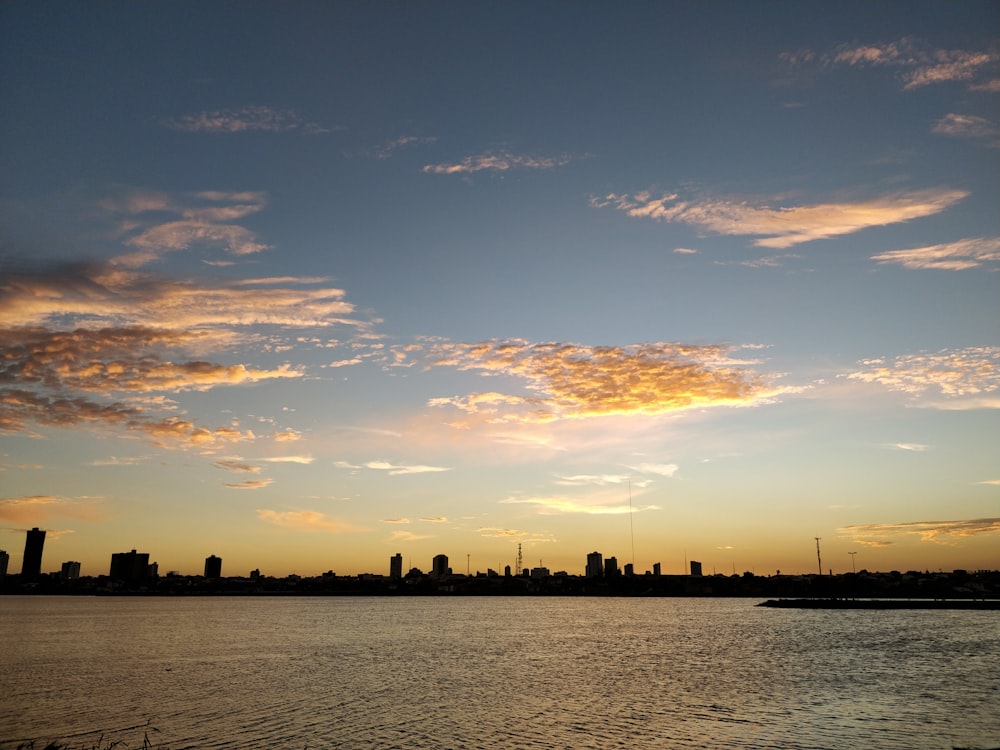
(304, 285)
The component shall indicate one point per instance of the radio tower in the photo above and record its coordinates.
(520, 560)
(818, 558)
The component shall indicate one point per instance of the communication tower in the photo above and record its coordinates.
(818, 558)
(520, 560)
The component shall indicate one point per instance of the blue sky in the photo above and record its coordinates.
(303, 285)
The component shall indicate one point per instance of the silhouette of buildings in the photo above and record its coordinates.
(131, 567)
(695, 568)
(439, 566)
(396, 566)
(213, 567)
(611, 567)
(656, 570)
(31, 566)
(70, 571)
(4, 562)
(595, 565)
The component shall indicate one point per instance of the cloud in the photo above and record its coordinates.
(243, 120)
(917, 63)
(398, 470)
(288, 459)
(395, 520)
(408, 536)
(783, 226)
(303, 520)
(971, 374)
(434, 519)
(237, 465)
(498, 162)
(39, 510)
(912, 447)
(600, 480)
(685, 251)
(388, 149)
(989, 481)
(554, 505)
(664, 470)
(928, 531)
(950, 256)
(968, 126)
(250, 484)
(573, 381)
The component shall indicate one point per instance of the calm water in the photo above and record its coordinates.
(494, 673)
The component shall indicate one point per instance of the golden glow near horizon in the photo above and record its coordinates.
(711, 307)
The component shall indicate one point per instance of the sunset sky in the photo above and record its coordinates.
(303, 285)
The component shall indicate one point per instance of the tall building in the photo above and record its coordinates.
(611, 567)
(396, 566)
(213, 567)
(695, 568)
(656, 569)
(595, 565)
(130, 567)
(439, 566)
(70, 571)
(4, 562)
(31, 565)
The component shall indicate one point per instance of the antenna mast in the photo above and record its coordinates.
(631, 523)
(819, 560)
(520, 560)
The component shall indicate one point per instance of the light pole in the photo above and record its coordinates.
(853, 569)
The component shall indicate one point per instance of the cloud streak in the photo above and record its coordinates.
(781, 227)
(502, 161)
(303, 520)
(244, 120)
(928, 531)
(950, 256)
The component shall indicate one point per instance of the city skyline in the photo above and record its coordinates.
(307, 285)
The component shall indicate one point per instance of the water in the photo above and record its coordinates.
(482, 673)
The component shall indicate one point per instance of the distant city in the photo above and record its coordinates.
(132, 573)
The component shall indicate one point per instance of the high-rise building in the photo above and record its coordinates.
(31, 565)
(595, 565)
(656, 569)
(629, 569)
(396, 566)
(213, 567)
(695, 568)
(4, 562)
(611, 567)
(130, 567)
(70, 571)
(439, 566)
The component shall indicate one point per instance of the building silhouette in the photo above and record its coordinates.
(213, 567)
(439, 566)
(595, 565)
(70, 571)
(695, 568)
(130, 567)
(656, 569)
(31, 565)
(396, 566)
(4, 562)
(611, 567)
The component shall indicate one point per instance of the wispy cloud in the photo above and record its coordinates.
(783, 226)
(501, 161)
(237, 465)
(563, 504)
(39, 510)
(565, 380)
(408, 536)
(910, 447)
(928, 531)
(989, 481)
(243, 120)
(386, 150)
(400, 469)
(288, 459)
(971, 375)
(685, 251)
(917, 63)
(968, 126)
(250, 484)
(949, 256)
(303, 520)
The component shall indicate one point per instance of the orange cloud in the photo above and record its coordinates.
(950, 256)
(303, 520)
(575, 381)
(38, 510)
(928, 531)
(784, 226)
